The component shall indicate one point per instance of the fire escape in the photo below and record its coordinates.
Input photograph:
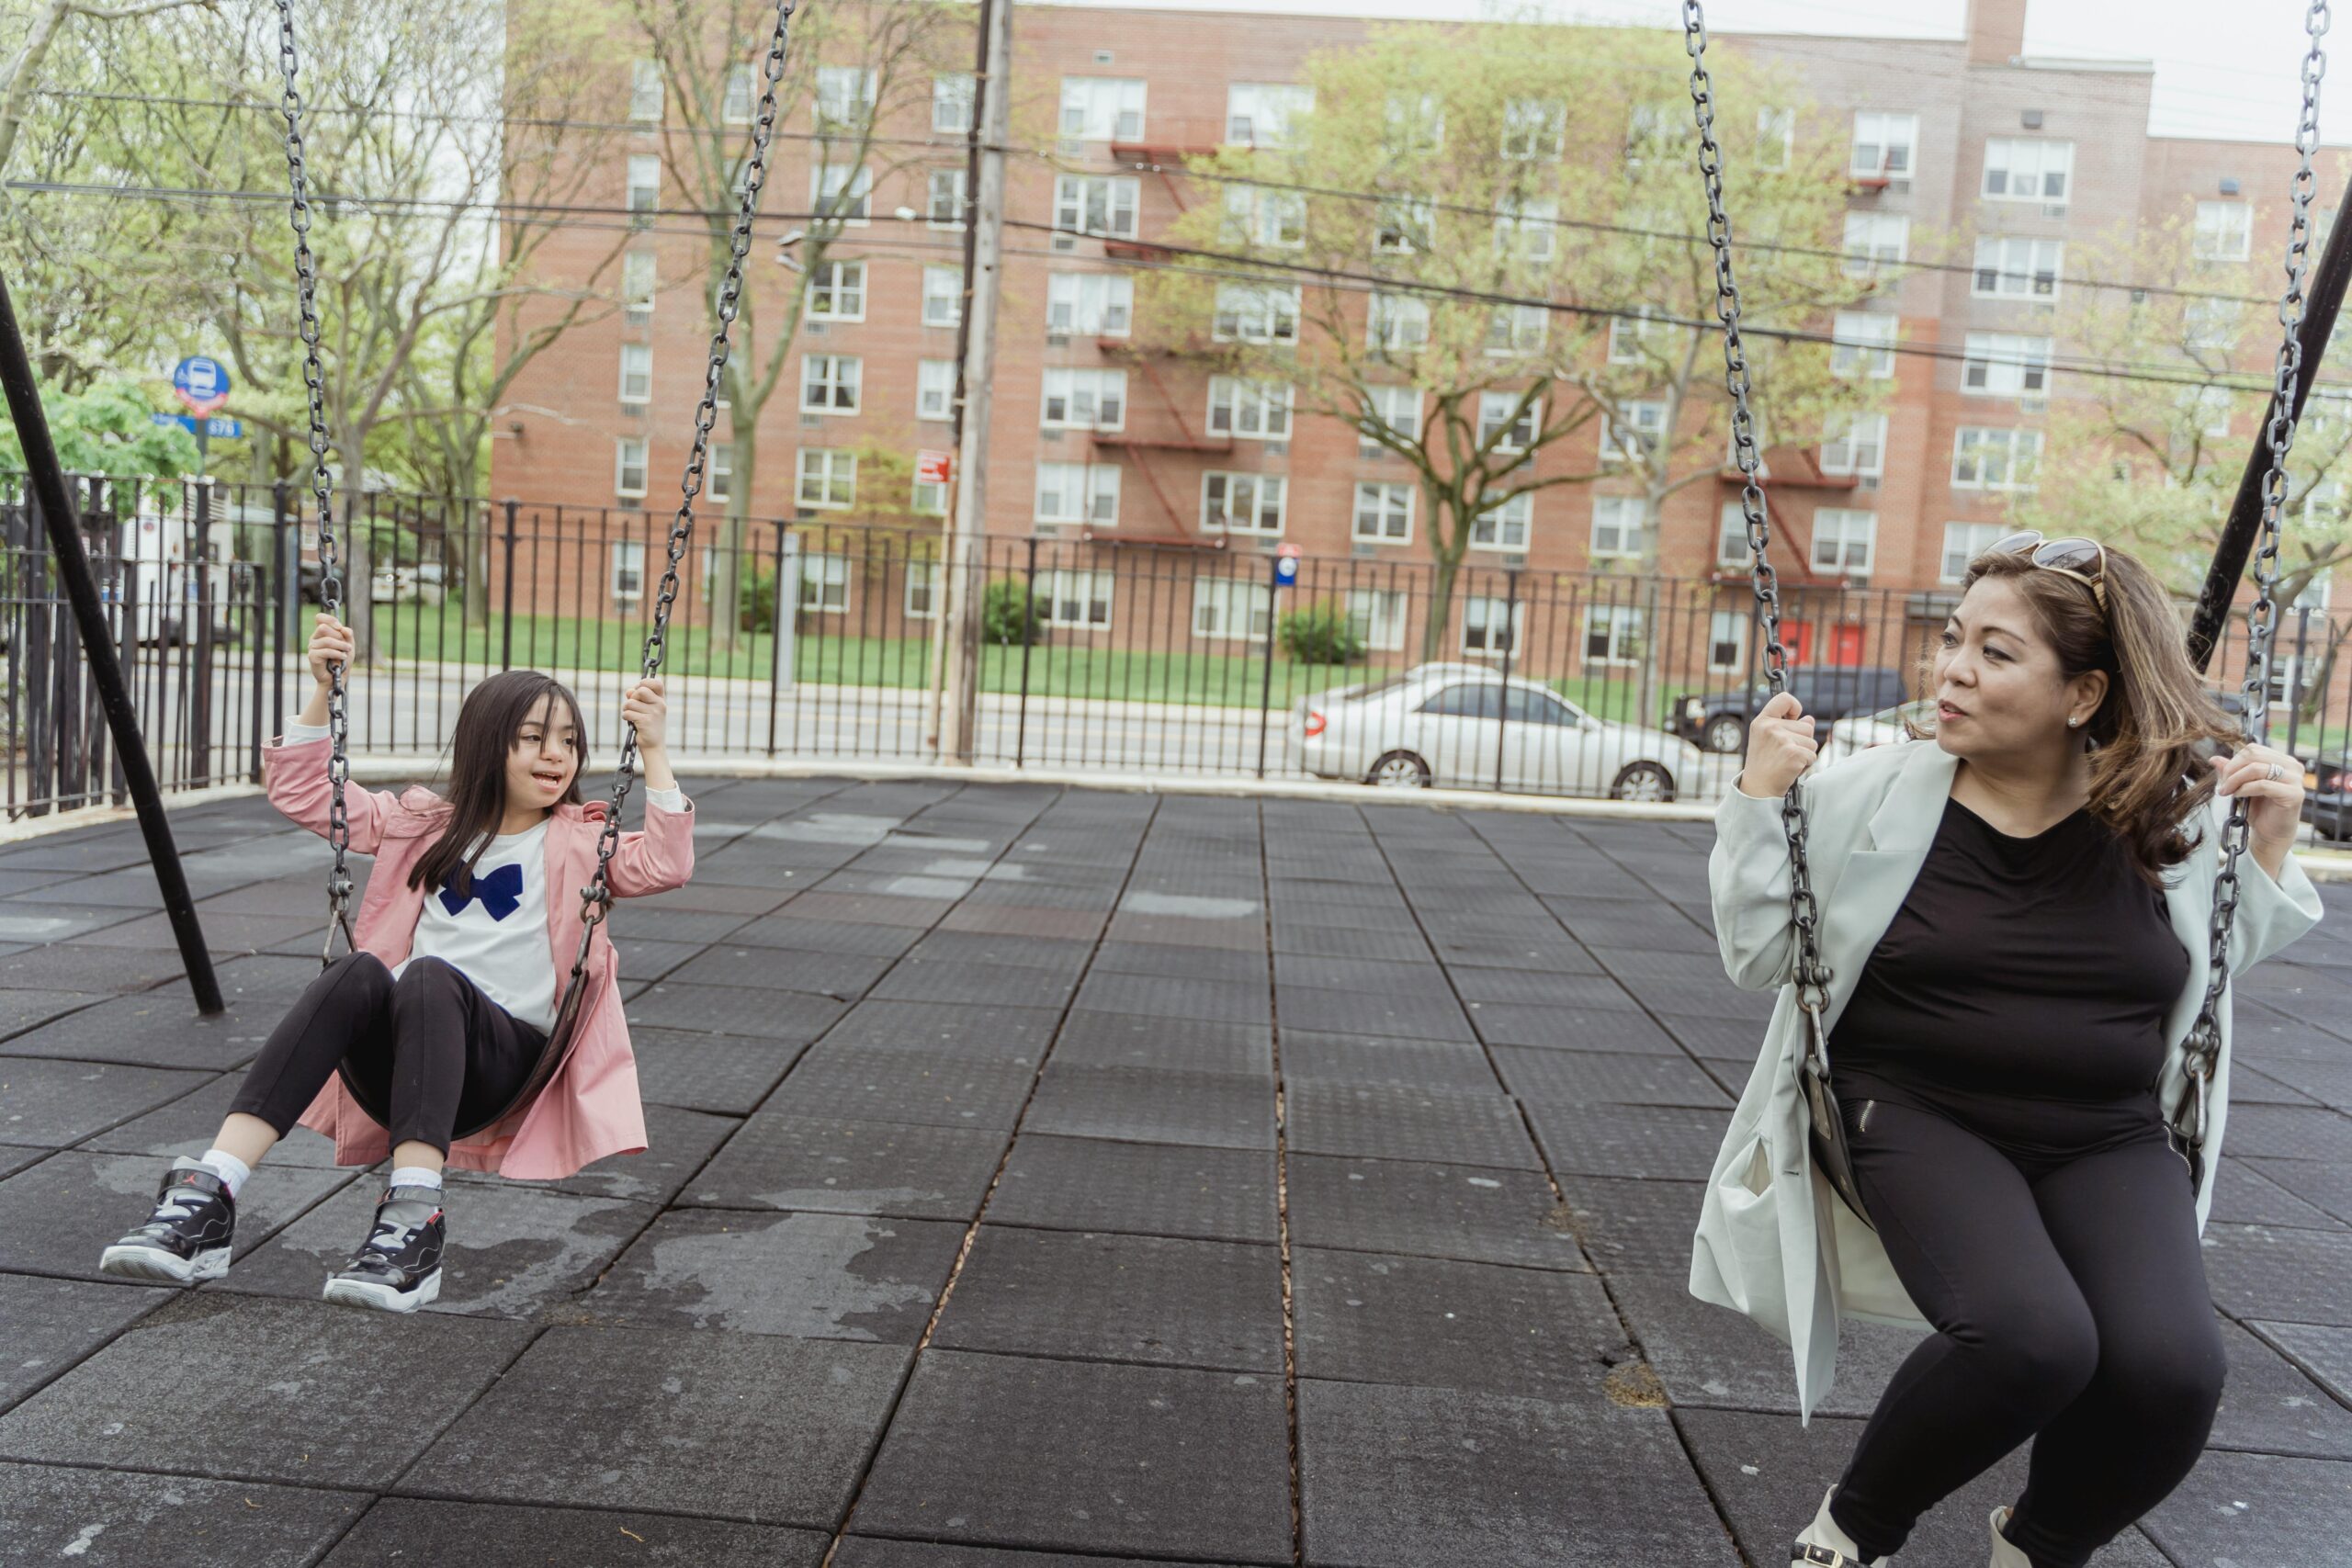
(1136, 446)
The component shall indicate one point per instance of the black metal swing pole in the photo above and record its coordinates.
(49, 489)
(2325, 294)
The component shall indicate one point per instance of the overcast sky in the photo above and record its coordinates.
(2235, 82)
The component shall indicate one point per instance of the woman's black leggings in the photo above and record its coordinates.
(429, 1045)
(2070, 1306)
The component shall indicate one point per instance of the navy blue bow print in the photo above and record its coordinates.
(501, 891)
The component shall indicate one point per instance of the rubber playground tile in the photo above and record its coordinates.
(796, 1016)
(2256, 1509)
(854, 1084)
(1380, 977)
(1652, 1142)
(1000, 950)
(691, 929)
(400, 1530)
(776, 1161)
(1167, 1189)
(1428, 1015)
(874, 1551)
(746, 1426)
(917, 911)
(845, 976)
(514, 1250)
(2251, 1085)
(13, 1158)
(59, 1102)
(186, 1126)
(1222, 965)
(1143, 1299)
(1342, 942)
(1434, 1126)
(97, 1519)
(224, 932)
(727, 1074)
(1629, 1226)
(58, 1215)
(1396, 1477)
(806, 1275)
(1246, 934)
(1607, 1077)
(1344, 1060)
(2245, 1195)
(1087, 1457)
(798, 932)
(643, 959)
(24, 919)
(1141, 1105)
(265, 1389)
(678, 1145)
(23, 1010)
(1707, 1355)
(965, 984)
(1441, 1322)
(2291, 1132)
(699, 897)
(2279, 1275)
(2269, 1405)
(54, 1324)
(158, 1028)
(1158, 995)
(2323, 1353)
(1428, 1211)
(942, 1030)
(1701, 999)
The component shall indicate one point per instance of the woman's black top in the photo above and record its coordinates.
(2021, 989)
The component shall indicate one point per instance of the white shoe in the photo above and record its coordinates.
(1822, 1544)
(2006, 1552)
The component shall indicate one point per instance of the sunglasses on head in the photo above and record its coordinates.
(2084, 561)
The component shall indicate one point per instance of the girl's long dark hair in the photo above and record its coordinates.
(492, 716)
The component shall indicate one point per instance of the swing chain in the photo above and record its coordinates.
(1812, 976)
(329, 565)
(596, 898)
(2191, 1116)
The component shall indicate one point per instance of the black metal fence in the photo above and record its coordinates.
(812, 638)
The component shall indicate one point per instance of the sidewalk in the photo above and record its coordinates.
(1045, 1170)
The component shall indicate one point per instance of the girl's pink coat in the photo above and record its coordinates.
(590, 1108)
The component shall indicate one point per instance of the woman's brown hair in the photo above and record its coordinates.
(493, 715)
(2158, 722)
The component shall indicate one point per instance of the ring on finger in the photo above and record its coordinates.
(2275, 773)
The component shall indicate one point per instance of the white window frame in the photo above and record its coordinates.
(637, 374)
(845, 96)
(1071, 398)
(1100, 207)
(1876, 240)
(832, 383)
(1731, 537)
(1249, 409)
(1377, 616)
(936, 389)
(1886, 143)
(1233, 502)
(1275, 219)
(1534, 129)
(943, 295)
(1090, 304)
(2016, 266)
(1384, 513)
(1507, 527)
(625, 576)
(1854, 444)
(1633, 427)
(1257, 114)
(1620, 532)
(1245, 621)
(923, 575)
(1776, 136)
(827, 574)
(1399, 408)
(1517, 330)
(1528, 229)
(833, 285)
(1739, 628)
(943, 193)
(738, 95)
(1617, 623)
(1102, 109)
(825, 479)
(2004, 364)
(1255, 312)
(1081, 494)
(2223, 231)
(1494, 408)
(1414, 124)
(2208, 323)
(644, 188)
(1404, 226)
(1862, 343)
(648, 95)
(1980, 452)
(1964, 541)
(2044, 164)
(640, 282)
(718, 473)
(1837, 527)
(828, 183)
(1484, 616)
(1397, 323)
(951, 103)
(1093, 588)
(1627, 333)
(628, 452)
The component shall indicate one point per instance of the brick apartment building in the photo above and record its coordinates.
(1966, 145)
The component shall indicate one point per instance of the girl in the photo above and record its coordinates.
(433, 1025)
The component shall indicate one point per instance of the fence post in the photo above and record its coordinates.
(2295, 687)
(198, 665)
(506, 613)
(1266, 682)
(784, 628)
(1028, 640)
(1510, 651)
(259, 623)
(286, 610)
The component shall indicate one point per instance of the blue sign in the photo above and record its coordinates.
(1285, 571)
(202, 383)
(215, 428)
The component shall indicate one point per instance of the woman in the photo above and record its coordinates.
(2016, 917)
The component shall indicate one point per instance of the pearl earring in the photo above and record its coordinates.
(2074, 724)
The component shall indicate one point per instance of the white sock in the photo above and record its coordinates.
(231, 1170)
(415, 1175)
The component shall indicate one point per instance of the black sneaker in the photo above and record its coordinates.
(398, 1267)
(187, 1237)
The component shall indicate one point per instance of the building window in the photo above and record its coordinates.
(644, 188)
(1406, 226)
(1504, 527)
(1255, 312)
(2224, 230)
(1491, 626)
(836, 291)
(1078, 493)
(1529, 230)
(1397, 408)
(824, 583)
(951, 103)
(2004, 364)
(927, 498)
(1227, 609)
(628, 465)
(1100, 204)
(1518, 330)
(1854, 444)
(1090, 304)
(844, 98)
(923, 590)
(1259, 113)
(1875, 239)
(735, 102)
(1085, 400)
(1842, 540)
(1256, 411)
(2209, 323)
(628, 570)
(841, 192)
(1726, 639)
(1731, 539)
(1384, 513)
(647, 98)
(2013, 268)
(1618, 528)
(1242, 504)
(1862, 344)
(827, 478)
(718, 474)
(1504, 422)
(1534, 128)
(638, 286)
(1629, 336)
(828, 383)
(1275, 218)
(936, 389)
(1994, 459)
(1397, 323)
(1885, 144)
(1415, 124)
(1080, 600)
(2028, 168)
(1101, 108)
(943, 295)
(1377, 616)
(1963, 542)
(943, 200)
(1612, 635)
(637, 374)
(1775, 137)
(1631, 431)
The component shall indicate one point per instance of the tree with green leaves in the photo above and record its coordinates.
(106, 428)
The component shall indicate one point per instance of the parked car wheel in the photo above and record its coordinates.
(1399, 769)
(1725, 733)
(1643, 781)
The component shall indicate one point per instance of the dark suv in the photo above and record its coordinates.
(1718, 720)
